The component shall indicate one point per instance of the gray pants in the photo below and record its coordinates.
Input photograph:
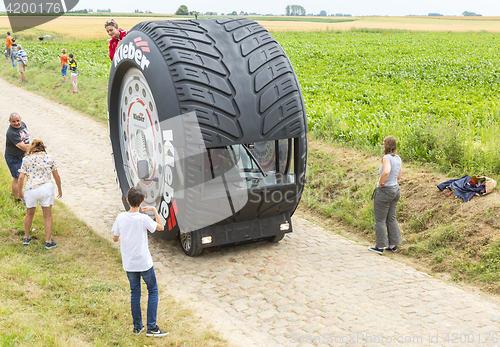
(385, 200)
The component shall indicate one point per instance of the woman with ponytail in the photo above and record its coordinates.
(39, 168)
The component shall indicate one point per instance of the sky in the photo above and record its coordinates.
(353, 7)
(277, 7)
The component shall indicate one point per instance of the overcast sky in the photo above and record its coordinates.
(277, 7)
(353, 7)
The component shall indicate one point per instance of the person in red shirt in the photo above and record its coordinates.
(8, 40)
(64, 65)
(116, 34)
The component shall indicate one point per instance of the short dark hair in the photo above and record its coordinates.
(135, 196)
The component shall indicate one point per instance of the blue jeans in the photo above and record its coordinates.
(149, 278)
(13, 59)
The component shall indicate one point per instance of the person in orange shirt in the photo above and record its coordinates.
(64, 65)
(8, 40)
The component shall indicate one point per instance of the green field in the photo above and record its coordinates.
(438, 93)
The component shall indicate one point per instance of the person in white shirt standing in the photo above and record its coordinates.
(131, 229)
(22, 62)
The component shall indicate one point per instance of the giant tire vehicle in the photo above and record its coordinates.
(236, 81)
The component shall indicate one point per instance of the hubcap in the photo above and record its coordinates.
(185, 240)
(140, 134)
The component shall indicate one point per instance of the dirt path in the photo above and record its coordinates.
(312, 289)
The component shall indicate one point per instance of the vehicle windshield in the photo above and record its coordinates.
(255, 162)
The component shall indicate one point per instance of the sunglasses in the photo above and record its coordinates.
(108, 22)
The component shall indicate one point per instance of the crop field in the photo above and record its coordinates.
(91, 27)
(437, 92)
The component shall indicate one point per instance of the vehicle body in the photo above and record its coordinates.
(207, 117)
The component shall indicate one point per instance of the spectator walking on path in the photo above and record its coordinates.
(385, 199)
(13, 52)
(116, 34)
(38, 167)
(64, 65)
(8, 46)
(73, 67)
(131, 228)
(16, 144)
(22, 62)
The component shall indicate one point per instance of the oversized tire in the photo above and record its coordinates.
(239, 83)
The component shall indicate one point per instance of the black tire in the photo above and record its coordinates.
(276, 238)
(188, 245)
(230, 72)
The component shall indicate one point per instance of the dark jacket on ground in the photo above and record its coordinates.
(462, 187)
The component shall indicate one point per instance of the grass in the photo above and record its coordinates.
(44, 75)
(437, 93)
(443, 233)
(76, 294)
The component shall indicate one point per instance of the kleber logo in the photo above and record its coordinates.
(139, 117)
(133, 51)
(166, 213)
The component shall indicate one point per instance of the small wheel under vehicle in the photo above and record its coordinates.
(276, 238)
(188, 245)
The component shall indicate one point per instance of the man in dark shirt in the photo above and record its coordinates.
(16, 144)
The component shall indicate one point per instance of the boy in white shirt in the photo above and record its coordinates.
(131, 228)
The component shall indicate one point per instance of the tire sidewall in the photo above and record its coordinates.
(153, 66)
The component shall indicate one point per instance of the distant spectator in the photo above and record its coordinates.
(22, 62)
(17, 142)
(13, 52)
(8, 45)
(38, 167)
(116, 34)
(64, 65)
(73, 67)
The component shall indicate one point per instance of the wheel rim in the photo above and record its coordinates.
(140, 134)
(186, 241)
(265, 153)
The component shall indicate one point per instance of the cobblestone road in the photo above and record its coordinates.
(312, 289)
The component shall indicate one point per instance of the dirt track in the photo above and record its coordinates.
(313, 288)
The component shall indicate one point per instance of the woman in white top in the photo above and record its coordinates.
(385, 199)
(38, 167)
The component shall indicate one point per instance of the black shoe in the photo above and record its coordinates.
(393, 249)
(157, 332)
(51, 244)
(26, 240)
(376, 250)
(138, 331)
